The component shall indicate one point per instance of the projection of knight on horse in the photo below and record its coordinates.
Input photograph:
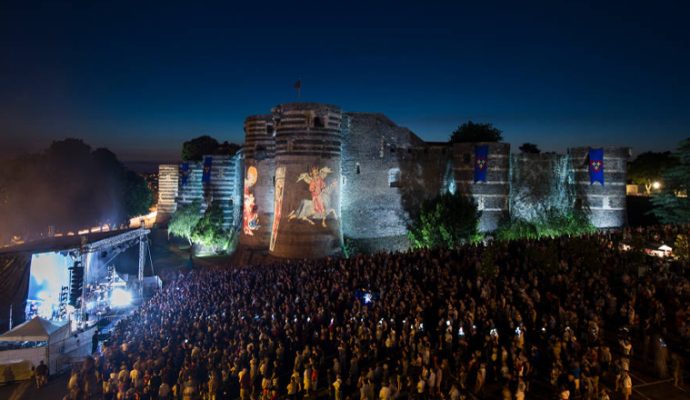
(319, 207)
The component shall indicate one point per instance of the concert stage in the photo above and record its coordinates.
(70, 278)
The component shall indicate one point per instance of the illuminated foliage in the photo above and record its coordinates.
(184, 220)
(446, 221)
(209, 231)
(552, 224)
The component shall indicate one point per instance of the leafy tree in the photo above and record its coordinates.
(228, 148)
(672, 204)
(530, 148)
(681, 249)
(184, 220)
(209, 231)
(472, 132)
(139, 197)
(69, 187)
(195, 149)
(650, 167)
(447, 221)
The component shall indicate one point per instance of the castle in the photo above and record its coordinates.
(310, 175)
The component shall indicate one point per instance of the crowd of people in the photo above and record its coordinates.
(509, 320)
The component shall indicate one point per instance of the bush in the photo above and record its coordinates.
(446, 221)
(555, 223)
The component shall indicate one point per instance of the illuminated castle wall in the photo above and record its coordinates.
(224, 186)
(312, 177)
(259, 155)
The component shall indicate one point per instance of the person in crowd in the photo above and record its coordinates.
(41, 374)
(424, 324)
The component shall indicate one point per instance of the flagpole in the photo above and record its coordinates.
(298, 87)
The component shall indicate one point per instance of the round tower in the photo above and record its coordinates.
(257, 199)
(307, 181)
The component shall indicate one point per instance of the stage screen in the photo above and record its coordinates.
(49, 273)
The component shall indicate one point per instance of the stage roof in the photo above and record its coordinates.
(61, 243)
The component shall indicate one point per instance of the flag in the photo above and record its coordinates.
(481, 163)
(596, 166)
(206, 177)
(184, 174)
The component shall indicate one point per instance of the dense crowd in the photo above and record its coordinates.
(502, 320)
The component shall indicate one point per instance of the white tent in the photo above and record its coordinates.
(35, 330)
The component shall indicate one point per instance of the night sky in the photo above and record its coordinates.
(141, 78)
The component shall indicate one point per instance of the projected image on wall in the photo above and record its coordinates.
(49, 273)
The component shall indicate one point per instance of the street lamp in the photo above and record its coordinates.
(656, 185)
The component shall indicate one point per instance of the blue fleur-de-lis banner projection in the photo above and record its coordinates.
(206, 177)
(481, 163)
(184, 173)
(596, 166)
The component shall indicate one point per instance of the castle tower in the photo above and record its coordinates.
(307, 181)
(491, 196)
(168, 177)
(605, 203)
(257, 209)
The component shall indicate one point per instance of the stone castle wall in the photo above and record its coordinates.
(491, 196)
(224, 187)
(387, 172)
(374, 175)
(605, 204)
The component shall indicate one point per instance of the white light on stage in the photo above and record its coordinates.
(48, 274)
(120, 298)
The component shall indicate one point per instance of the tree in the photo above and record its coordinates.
(184, 220)
(195, 149)
(139, 197)
(471, 132)
(69, 187)
(445, 221)
(681, 249)
(530, 148)
(228, 148)
(209, 231)
(649, 167)
(672, 204)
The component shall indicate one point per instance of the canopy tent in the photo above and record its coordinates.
(20, 360)
(35, 330)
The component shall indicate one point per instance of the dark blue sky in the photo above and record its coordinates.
(142, 78)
